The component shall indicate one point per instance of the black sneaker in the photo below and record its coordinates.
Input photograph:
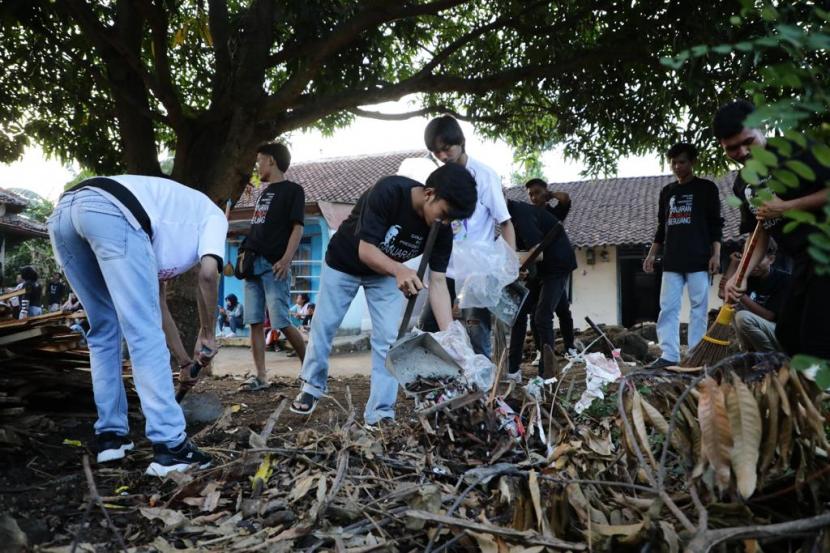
(112, 447)
(167, 459)
(661, 363)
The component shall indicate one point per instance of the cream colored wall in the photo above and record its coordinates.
(595, 289)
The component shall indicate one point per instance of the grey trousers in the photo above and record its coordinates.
(755, 333)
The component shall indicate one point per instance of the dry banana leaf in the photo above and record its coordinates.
(745, 422)
(716, 437)
(640, 427)
(771, 426)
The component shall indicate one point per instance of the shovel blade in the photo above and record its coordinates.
(420, 356)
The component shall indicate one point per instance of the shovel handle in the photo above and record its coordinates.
(750, 249)
(422, 268)
(599, 331)
(551, 235)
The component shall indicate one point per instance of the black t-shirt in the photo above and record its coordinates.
(560, 210)
(278, 208)
(56, 290)
(384, 217)
(34, 292)
(531, 225)
(769, 292)
(688, 222)
(792, 243)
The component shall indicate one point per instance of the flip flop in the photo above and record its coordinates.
(254, 384)
(304, 399)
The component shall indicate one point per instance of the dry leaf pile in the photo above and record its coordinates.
(679, 462)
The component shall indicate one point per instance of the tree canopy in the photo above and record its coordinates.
(112, 83)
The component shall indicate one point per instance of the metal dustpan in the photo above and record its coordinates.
(511, 300)
(420, 356)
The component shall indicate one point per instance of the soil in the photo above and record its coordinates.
(43, 488)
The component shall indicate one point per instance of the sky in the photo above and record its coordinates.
(47, 177)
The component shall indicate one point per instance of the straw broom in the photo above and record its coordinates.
(715, 344)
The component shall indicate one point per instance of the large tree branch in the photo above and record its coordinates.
(220, 34)
(376, 13)
(432, 110)
(159, 29)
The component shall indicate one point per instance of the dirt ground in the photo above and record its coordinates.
(43, 487)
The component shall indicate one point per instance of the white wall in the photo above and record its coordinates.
(595, 289)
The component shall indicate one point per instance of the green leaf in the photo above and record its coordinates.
(782, 145)
(822, 154)
(818, 255)
(749, 175)
(722, 49)
(797, 137)
(791, 226)
(757, 167)
(823, 377)
(800, 216)
(820, 241)
(700, 50)
(735, 20)
(768, 41)
(801, 169)
(802, 362)
(776, 186)
(744, 46)
(769, 13)
(764, 156)
(733, 201)
(787, 177)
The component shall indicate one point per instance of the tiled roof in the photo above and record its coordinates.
(14, 203)
(624, 210)
(339, 179)
(16, 225)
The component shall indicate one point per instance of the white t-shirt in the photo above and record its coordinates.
(186, 224)
(491, 208)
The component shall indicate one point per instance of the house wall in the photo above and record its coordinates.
(594, 288)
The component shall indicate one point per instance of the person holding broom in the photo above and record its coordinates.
(803, 324)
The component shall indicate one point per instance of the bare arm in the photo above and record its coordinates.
(171, 333)
(648, 262)
(282, 266)
(408, 281)
(508, 233)
(206, 300)
(733, 290)
(439, 299)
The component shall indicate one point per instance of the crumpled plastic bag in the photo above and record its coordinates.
(477, 368)
(599, 371)
(483, 269)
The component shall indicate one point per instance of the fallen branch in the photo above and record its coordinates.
(526, 537)
(704, 541)
(95, 499)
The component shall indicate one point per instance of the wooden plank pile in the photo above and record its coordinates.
(44, 367)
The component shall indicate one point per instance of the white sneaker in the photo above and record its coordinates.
(535, 362)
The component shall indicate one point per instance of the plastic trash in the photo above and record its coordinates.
(599, 371)
(483, 269)
(477, 368)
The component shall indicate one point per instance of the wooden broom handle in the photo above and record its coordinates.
(750, 249)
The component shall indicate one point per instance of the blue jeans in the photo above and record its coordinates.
(668, 322)
(479, 322)
(112, 268)
(385, 301)
(266, 289)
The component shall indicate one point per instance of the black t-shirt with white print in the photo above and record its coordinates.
(688, 221)
(279, 206)
(793, 243)
(384, 217)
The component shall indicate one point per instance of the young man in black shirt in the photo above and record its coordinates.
(689, 228)
(540, 196)
(758, 308)
(276, 230)
(56, 290)
(388, 226)
(803, 325)
(553, 267)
